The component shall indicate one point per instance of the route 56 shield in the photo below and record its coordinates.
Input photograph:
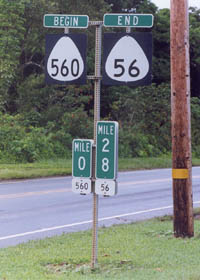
(65, 60)
(127, 58)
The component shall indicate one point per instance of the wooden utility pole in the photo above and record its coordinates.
(181, 121)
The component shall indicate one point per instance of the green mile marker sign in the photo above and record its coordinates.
(82, 158)
(66, 21)
(107, 150)
(128, 20)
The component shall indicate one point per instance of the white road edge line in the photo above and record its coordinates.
(86, 222)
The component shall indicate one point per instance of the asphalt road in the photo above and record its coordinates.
(35, 209)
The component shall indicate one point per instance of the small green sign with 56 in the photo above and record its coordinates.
(107, 150)
(82, 158)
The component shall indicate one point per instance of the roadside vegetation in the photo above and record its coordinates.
(38, 122)
(63, 167)
(144, 250)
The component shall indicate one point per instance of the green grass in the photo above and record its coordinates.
(141, 251)
(58, 167)
(144, 163)
(61, 167)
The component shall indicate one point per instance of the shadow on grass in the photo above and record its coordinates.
(86, 269)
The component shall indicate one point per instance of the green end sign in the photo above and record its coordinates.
(107, 150)
(128, 20)
(66, 21)
(82, 158)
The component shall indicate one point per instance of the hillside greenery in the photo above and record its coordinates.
(39, 121)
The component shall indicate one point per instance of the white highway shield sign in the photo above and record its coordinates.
(81, 185)
(106, 187)
(127, 58)
(65, 59)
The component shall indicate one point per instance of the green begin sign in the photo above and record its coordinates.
(82, 158)
(107, 150)
(66, 21)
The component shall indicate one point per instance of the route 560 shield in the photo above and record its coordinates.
(65, 60)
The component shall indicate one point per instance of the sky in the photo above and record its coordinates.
(166, 3)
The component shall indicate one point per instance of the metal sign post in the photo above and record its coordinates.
(97, 88)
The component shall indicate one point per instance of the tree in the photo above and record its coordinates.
(144, 111)
(161, 54)
(22, 51)
(11, 34)
(194, 50)
(139, 6)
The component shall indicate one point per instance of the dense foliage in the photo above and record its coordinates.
(39, 121)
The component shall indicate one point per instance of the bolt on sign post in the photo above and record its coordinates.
(82, 166)
(181, 123)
